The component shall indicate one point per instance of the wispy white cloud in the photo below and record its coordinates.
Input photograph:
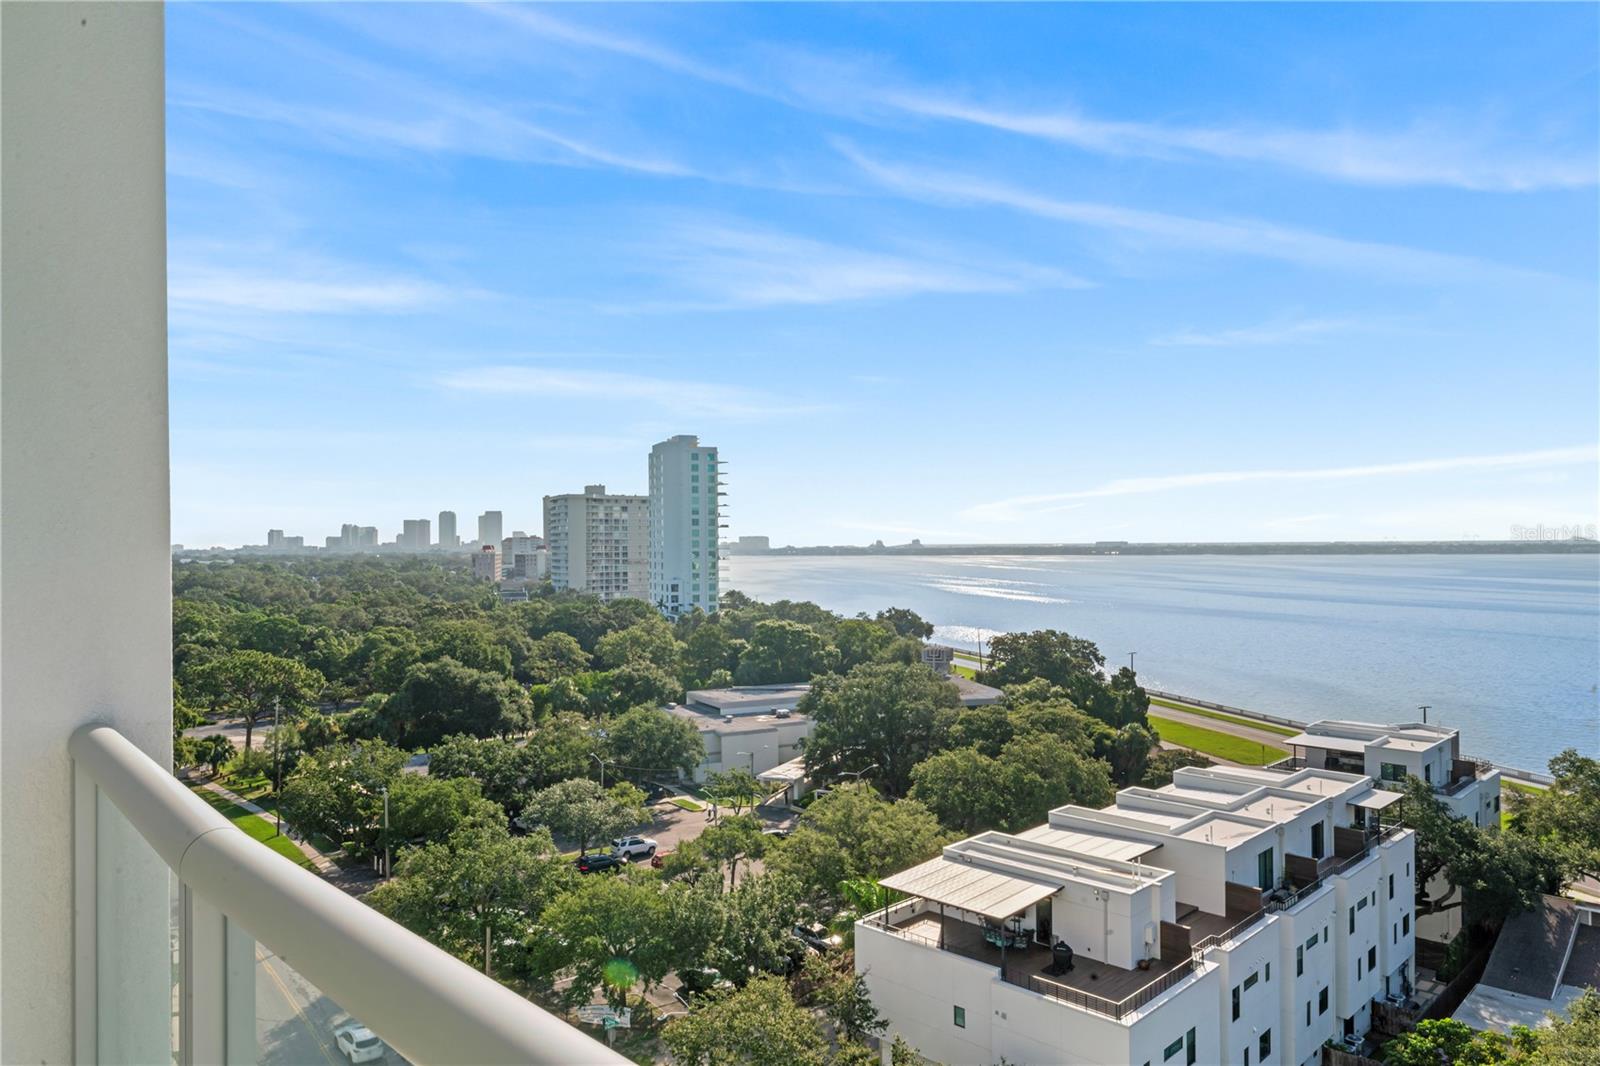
(1426, 154)
(1291, 331)
(213, 288)
(1248, 237)
(613, 387)
(729, 266)
(1017, 507)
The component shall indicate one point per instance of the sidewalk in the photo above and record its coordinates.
(325, 866)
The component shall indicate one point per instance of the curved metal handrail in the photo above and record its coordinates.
(431, 1006)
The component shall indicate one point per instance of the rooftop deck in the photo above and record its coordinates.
(1092, 985)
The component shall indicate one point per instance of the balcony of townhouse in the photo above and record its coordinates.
(1464, 771)
(1019, 956)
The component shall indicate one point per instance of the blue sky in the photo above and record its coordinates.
(1252, 272)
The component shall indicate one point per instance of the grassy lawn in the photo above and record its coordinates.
(685, 803)
(254, 825)
(270, 803)
(965, 671)
(1233, 719)
(1218, 745)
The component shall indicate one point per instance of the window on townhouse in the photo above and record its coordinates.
(1405, 924)
(1324, 934)
(961, 1017)
(1352, 919)
(1308, 1012)
(1265, 1046)
(1299, 960)
(1396, 930)
(1172, 1049)
(1250, 982)
(1358, 968)
(1235, 1002)
(1322, 1001)
(1189, 1045)
(1372, 958)
(1391, 886)
(1267, 972)
(1361, 904)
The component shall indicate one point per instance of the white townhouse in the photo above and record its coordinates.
(1238, 916)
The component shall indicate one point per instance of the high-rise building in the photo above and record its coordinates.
(447, 530)
(368, 538)
(489, 528)
(274, 540)
(349, 537)
(684, 498)
(599, 543)
(417, 535)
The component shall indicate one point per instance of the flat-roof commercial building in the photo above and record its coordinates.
(599, 543)
(1233, 916)
(748, 727)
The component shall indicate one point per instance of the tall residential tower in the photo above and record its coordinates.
(598, 543)
(489, 528)
(447, 530)
(684, 512)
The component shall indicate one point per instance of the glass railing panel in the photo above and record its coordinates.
(136, 954)
(297, 1024)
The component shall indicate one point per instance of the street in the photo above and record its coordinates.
(295, 1022)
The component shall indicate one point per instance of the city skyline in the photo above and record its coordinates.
(1332, 276)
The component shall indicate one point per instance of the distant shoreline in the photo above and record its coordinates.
(1336, 547)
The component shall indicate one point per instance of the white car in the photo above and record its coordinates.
(359, 1044)
(631, 848)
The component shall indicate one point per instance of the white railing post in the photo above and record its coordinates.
(211, 1018)
(85, 977)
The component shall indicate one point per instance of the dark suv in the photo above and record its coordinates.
(596, 861)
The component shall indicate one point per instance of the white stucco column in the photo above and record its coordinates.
(83, 461)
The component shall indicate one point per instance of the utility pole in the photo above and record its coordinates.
(1424, 709)
(277, 772)
(385, 832)
(1131, 654)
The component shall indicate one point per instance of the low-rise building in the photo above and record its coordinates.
(751, 727)
(1233, 916)
(486, 563)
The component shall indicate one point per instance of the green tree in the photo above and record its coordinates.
(783, 652)
(754, 937)
(562, 747)
(853, 832)
(1442, 1040)
(252, 683)
(736, 788)
(583, 812)
(214, 751)
(424, 809)
(729, 841)
(964, 788)
(1033, 774)
(843, 998)
(471, 643)
(1573, 1040)
(649, 642)
(888, 716)
(498, 765)
(1159, 770)
(860, 641)
(1059, 658)
(383, 656)
(479, 888)
(612, 933)
(555, 655)
(338, 792)
(709, 650)
(444, 697)
(906, 622)
(757, 1025)
(1567, 814)
(901, 1053)
(633, 684)
(646, 742)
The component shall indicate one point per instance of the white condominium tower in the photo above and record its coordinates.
(598, 543)
(447, 530)
(684, 498)
(489, 528)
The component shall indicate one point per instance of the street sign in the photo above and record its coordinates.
(610, 1017)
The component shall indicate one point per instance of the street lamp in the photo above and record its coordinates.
(277, 772)
(857, 773)
(1424, 708)
(602, 763)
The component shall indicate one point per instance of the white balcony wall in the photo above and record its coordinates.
(83, 460)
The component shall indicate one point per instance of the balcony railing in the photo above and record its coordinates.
(1117, 1009)
(426, 1004)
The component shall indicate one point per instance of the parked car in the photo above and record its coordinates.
(359, 1044)
(656, 859)
(633, 847)
(597, 861)
(816, 937)
(775, 831)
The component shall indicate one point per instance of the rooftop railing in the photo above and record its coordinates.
(1117, 1009)
(426, 1004)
